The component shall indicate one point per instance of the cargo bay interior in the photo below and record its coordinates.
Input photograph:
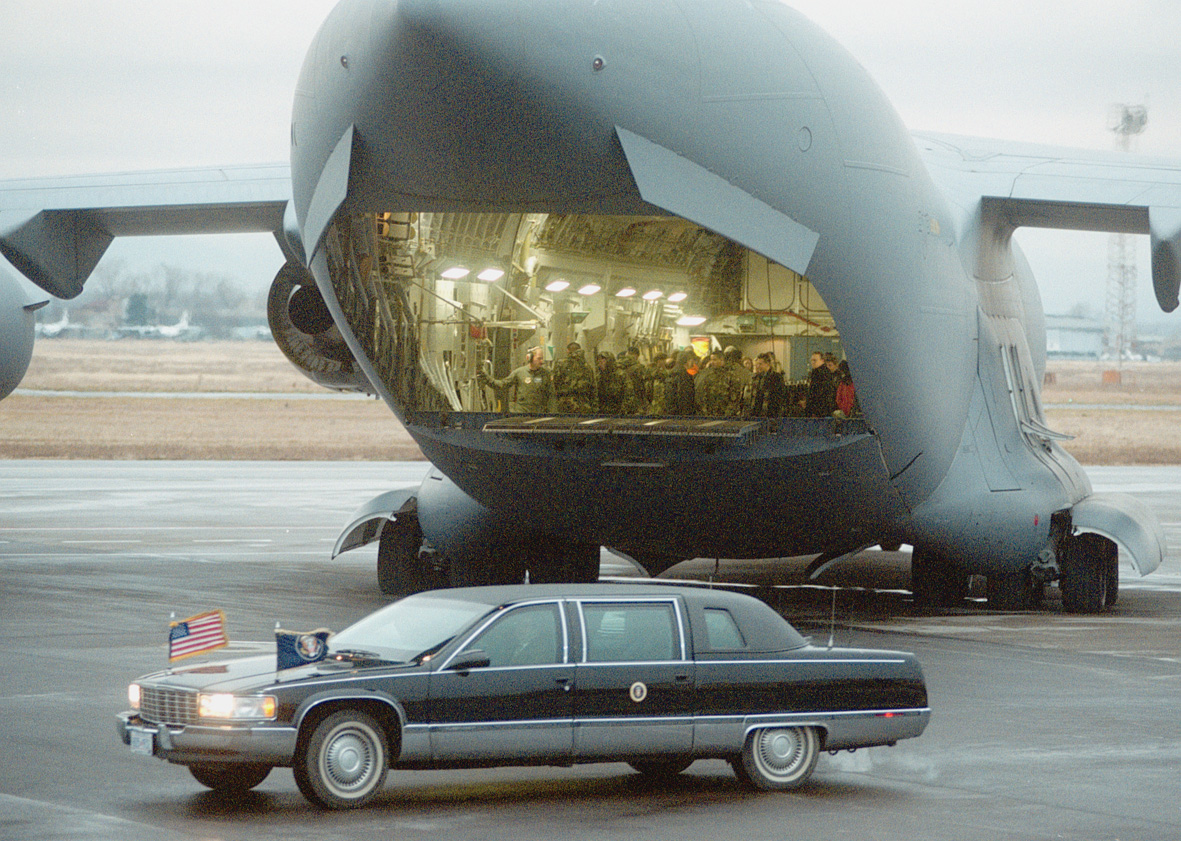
(437, 298)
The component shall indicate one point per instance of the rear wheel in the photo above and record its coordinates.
(344, 762)
(778, 758)
(229, 778)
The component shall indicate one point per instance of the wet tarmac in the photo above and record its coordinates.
(1045, 725)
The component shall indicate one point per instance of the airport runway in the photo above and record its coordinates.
(1045, 725)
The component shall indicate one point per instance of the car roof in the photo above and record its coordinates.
(764, 629)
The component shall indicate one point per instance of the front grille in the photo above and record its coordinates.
(168, 706)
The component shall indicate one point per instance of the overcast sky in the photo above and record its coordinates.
(125, 85)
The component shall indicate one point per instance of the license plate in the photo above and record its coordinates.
(143, 742)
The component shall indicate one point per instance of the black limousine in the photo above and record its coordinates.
(655, 676)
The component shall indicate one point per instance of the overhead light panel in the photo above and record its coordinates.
(625, 292)
(456, 273)
(590, 289)
(691, 321)
(491, 274)
(677, 297)
(557, 286)
(654, 295)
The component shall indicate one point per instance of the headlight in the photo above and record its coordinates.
(133, 694)
(236, 707)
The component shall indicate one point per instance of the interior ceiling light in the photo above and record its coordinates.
(654, 295)
(456, 273)
(491, 275)
(557, 285)
(589, 289)
(677, 297)
(625, 292)
(691, 321)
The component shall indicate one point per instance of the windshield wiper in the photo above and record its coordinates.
(358, 655)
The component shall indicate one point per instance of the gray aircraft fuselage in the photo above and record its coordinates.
(748, 120)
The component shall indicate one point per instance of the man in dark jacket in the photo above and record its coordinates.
(679, 399)
(767, 389)
(822, 390)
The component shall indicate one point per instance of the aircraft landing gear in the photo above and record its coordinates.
(1089, 578)
(1015, 591)
(935, 580)
(401, 568)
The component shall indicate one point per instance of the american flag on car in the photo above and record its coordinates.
(197, 635)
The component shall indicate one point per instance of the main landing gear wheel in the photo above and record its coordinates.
(229, 778)
(399, 570)
(344, 762)
(778, 758)
(936, 581)
(1015, 591)
(1089, 576)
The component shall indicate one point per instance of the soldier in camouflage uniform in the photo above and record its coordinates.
(532, 385)
(638, 395)
(738, 399)
(613, 386)
(658, 372)
(712, 387)
(574, 382)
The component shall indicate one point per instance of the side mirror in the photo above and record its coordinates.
(468, 660)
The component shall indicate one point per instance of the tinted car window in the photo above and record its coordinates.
(630, 632)
(721, 631)
(526, 636)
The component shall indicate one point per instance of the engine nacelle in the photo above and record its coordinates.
(303, 329)
(17, 328)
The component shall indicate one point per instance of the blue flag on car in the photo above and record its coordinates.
(294, 649)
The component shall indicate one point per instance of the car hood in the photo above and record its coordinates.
(245, 674)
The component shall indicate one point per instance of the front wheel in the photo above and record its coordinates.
(778, 758)
(229, 778)
(345, 761)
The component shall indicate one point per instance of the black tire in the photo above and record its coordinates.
(229, 778)
(1010, 592)
(1083, 574)
(344, 762)
(1111, 593)
(778, 758)
(399, 570)
(935, 581)
(657, 768)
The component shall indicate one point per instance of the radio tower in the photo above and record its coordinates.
(1119, 326)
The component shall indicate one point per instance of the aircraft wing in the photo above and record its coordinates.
(55, 230)
(1018, 184)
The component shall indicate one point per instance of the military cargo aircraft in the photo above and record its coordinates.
(472, 179)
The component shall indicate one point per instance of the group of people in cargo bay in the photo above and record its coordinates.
(723, 384)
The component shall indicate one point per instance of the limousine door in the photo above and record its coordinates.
(518, 705)
(633, 692)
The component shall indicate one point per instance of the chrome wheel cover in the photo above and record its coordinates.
(784, 755)
(351, 759)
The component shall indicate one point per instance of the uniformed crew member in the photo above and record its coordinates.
(574, 382)
(532, 385)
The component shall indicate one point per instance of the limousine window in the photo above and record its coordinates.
(526, 636)
(721, 631)
(618, 633)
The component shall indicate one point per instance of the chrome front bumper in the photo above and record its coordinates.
(264, 744)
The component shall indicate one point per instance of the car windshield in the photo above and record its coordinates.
(408, 629)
